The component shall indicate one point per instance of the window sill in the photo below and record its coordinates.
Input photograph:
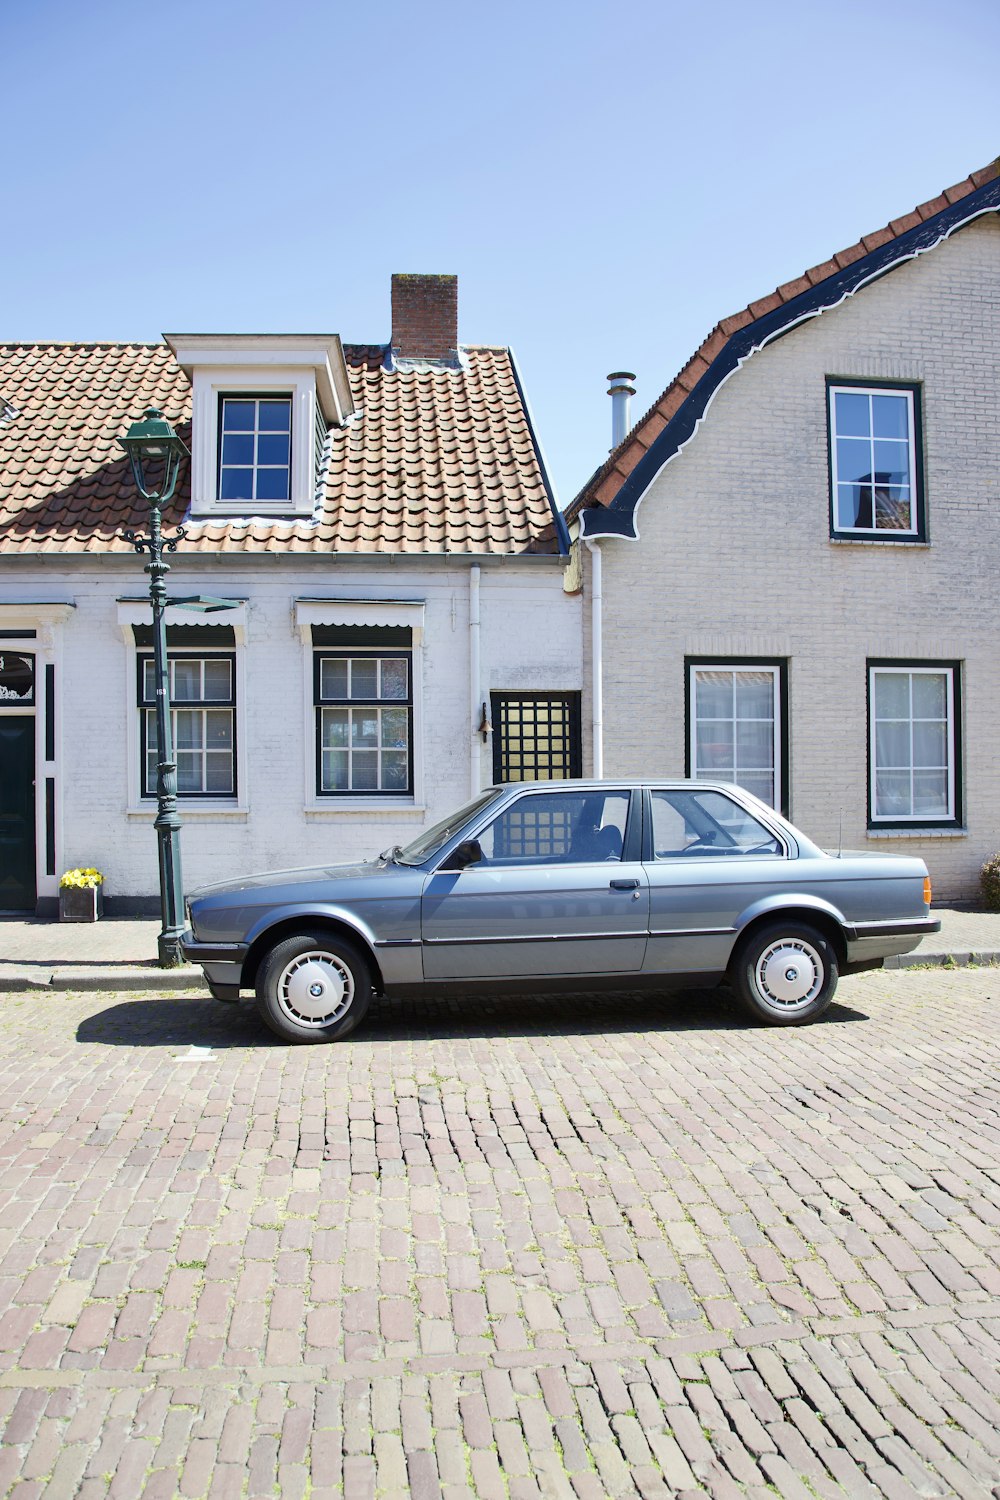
(917, 833)
(877, 541)
(202, 812)
(335, 808)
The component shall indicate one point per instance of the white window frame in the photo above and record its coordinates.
(200, 706)
(256, 468)
(950, 817)
(773, 669)
(373, 707)
(209, 387)
(199, 808)
(359, 610)
(874, 532)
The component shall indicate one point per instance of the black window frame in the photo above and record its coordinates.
(148, 705)
(918, 535)
(287, 396)
(738, 664)
(354, 653)
(500, 703)
(923, 822)
(32, 696)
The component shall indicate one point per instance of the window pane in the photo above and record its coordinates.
(219, 729)
(754, 695)
(364, 771)
(930, 793)
(892, 464)
(760, 785)
(334, 770)
(275, 416)
(394, 771)
(930, 745)
(892, 695)
(218, 773)
(237, 416)
(890, 416)
(892, 509)
(186, 685)
(188, 772)
(335, 727)
(236, 484)
(272, 448)
(333, 678)
(851, 414)
(853, 508)
(930, 695)
(395, 723)
(364, 730)
(272, 484)
(237, 448)
(892, 794)
(714, 695)
(394, 677)
(715, 747)
(854, 460)
(188, 729)
(754, 746)
(892, 744)
(218, 680)
(149, 680)
(364, 678)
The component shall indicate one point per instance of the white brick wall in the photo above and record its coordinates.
(529, 638)
(735, 557)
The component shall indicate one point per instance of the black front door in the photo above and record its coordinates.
(17, 812)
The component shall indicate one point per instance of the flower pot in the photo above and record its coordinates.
(80, 903)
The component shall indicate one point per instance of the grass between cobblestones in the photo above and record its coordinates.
(582, 1247)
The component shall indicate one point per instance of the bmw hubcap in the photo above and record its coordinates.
(315, 989)
(789, 974)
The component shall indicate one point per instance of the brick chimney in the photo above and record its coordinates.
(425, 316)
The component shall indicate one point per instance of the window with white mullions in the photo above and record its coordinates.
(735, 715)
(873, 454)
(202, 722)
(913, 746)
(255, 437)
(364, 723)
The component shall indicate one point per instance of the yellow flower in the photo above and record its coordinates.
(82, 879)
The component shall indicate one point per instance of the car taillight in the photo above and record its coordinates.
(927, 890)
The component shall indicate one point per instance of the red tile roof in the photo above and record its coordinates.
(441, 459)
(604, 485)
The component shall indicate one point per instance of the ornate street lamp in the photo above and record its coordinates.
(155, 452)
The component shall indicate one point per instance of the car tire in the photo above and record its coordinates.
(785, 974)
(313, 987)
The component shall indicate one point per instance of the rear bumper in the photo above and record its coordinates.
(877, 940)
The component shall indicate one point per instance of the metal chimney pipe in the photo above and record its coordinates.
(621, 390)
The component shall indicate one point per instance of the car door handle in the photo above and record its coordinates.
(624, 885)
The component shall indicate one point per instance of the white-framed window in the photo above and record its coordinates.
(875, 468)
(255, 448)
(913, 743)
(736, 726)
(202, 721)
(363, 698)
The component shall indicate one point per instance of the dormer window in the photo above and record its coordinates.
(261, 406)
(255, 455)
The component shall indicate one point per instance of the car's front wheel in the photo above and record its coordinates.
(785, 974)
(314, 987)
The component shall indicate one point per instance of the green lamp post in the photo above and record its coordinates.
(155, 452)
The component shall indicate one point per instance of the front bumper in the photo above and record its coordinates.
(222, 963)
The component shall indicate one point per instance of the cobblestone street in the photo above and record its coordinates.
(565, 1247)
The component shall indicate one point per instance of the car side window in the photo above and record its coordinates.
(558, 828)
(705, 824)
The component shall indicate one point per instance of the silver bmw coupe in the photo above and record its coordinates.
(572, 885)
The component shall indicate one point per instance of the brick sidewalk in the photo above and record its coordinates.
(582, 1247)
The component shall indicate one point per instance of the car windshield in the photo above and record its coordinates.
(435, 838)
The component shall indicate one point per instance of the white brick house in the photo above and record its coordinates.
(382, 516)
(797, 551)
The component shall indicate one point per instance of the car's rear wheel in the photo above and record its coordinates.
(313, 987)
(785, 974)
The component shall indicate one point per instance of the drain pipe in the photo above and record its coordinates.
(597, 657)
(475, 668)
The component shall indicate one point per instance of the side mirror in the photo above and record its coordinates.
(468, 852)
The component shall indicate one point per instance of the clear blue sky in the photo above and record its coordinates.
(606, 179)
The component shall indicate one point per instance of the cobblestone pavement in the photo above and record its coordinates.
(573, 1248)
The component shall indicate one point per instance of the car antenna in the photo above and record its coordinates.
(840, 834)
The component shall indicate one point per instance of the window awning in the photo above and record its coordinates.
(359, 612)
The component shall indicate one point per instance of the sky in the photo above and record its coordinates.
(607, 179)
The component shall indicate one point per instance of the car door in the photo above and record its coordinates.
(560, 891)
(707, 858)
